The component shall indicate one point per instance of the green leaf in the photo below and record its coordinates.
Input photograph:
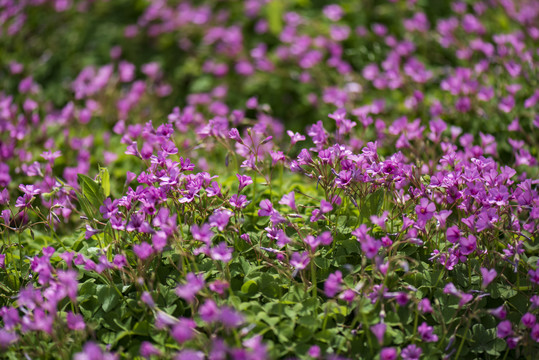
(250, 287)
(91, 191)
(308, 322)
(275, 16)
(104, 176)
(107, 297)
(322, 263)
(372, 204)
(268, 286)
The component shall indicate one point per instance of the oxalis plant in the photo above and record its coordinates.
(202, 210)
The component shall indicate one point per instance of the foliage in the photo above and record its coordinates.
(167, 189)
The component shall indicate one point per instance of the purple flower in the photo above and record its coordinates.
(90, 232)
(75, 321)
(426, 333)
(93, 351)
(230, 317)
(467, 245)
(244, 180)
(7, 338)
(499, 312)
(370, 247)
(528, 320)
(165, 221)
(424, 306)
(159, 240)
(402, 298)
(239, 202)
(388, 354)
(488, 276)
(202, 233)
(295, 137)
(325, 206)
(314, 351)
(380, 221)
(411, 352)
(189, 354)
(425, 211)
(219, 286)
(266, 208)
(332, 284)
(209, 312)
(453, 234)
(183, 330)
(147, 350)
(379, 331)
(194, 284)
(221, 252)
(505, 329)
(300, 260)
(234, 134)
(289, 200)
(143, 251)
(147, 298)
(534, 334)
(109, 208)
(4, 196)
(220, 218)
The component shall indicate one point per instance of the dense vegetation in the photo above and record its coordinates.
(269, 179)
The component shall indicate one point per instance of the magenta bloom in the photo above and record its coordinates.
(244, 180)
(505, 329)
(467, 245)
(183, 330)
(194, 284)
(411, 352)
(220, 218)
(528, 320)
(325, 206)
(147, 350)
(488, 276)
(289, 200)
(143, 251)
(221, 252)
(388, 354)
(425, 211)
(300, 260)
(75, 321)
(266, 208)
(314, 351)
(379, 331)
(209, 312)
(202, 233)
(239, 202)
(230, 317)
(426, 333)
(333, 284)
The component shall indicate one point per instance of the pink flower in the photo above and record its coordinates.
(467, 245)
(388, 354)
(183, 330)
(143, 251)
(325, 206)
(75, 321)
(488, 276)
(289, 200)
(333, 284)
(425, 211)
(244, 180)
(379, 331)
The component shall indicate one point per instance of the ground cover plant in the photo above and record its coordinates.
(269, 179)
